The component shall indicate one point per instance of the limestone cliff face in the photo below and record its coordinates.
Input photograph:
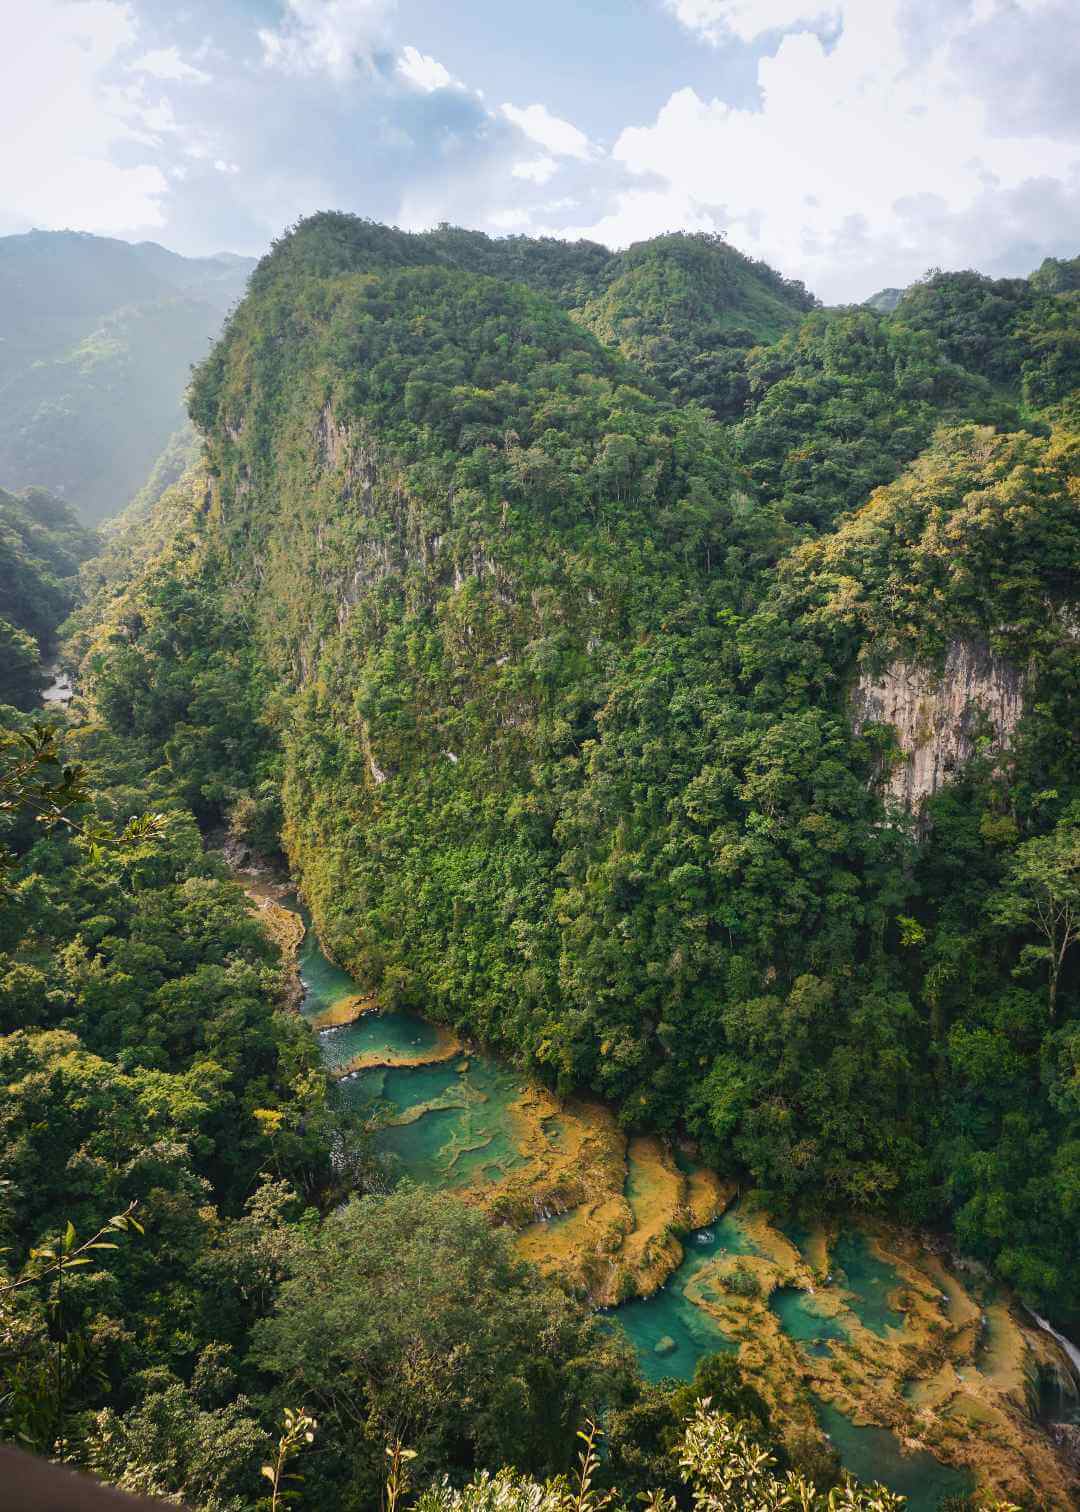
(938, 716)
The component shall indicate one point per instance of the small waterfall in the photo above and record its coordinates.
(60, 690)
(1069, 1348)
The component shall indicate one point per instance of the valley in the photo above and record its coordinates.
(662, 691)
(912, 1372)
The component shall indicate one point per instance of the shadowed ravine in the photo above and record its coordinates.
(855, 1334)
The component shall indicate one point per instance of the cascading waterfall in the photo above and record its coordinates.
(1068, 1382)
(1067, 1345)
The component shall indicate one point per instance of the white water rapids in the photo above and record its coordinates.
(1067, 1345)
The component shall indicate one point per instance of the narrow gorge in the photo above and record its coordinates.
(917, 1368)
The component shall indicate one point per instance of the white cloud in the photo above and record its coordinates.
(1014, 54)
(508, 220)
(166, 63)
(639, 214)
(148, 119)
(555, 135)
(716, 20)
(334, 37)
(535, 170)
(425, 73)
(822, 180)
(910, 136)
(60, 127)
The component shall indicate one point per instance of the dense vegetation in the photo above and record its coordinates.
(1015, 331)
(687, 309)
(152, 1075)
(179, 1265)
(41, 547)
(519, 597)
(96, 341)
(552, 673)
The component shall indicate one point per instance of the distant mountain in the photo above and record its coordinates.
(97, 337)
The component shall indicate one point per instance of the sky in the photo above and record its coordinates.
(851, 143)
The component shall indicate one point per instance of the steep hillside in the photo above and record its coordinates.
(837, 407)
(41, 547)
(840, 405)
(567, 695)
(96, 341)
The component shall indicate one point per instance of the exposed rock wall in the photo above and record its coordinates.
(938, 717)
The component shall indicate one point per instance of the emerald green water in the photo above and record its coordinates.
(801, 1320)
(398, 1033)
(874, 1454)
(869, 1281)
(459, 1133)
(452, 1128)
(324, 983)
(669, 1314)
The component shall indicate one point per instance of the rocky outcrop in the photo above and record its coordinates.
(1066, 1439)
(939, 717)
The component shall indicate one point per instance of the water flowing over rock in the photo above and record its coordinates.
(939, 717)
(1066, 1345)
(61, 690)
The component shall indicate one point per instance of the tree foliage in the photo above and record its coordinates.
(550, 670)
(519, 596)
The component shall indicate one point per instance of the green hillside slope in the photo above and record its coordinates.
(97, 337)
(552, 677)
(687, 308)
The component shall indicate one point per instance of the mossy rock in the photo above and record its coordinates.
(665, 1346)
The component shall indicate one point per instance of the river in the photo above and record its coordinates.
(60, 691)
(855, 1334)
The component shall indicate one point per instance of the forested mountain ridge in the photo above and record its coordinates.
(558, 671)
(554, 675)
(97, 337)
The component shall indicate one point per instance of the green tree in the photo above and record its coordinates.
(21, 676)
(1041, 892)
(408, 1319)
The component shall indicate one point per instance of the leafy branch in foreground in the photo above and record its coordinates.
(32, 1403)
(397, 1475)
(35, 780)
(66, 1254)
(585, 1498)
(721, 1461)
(299, 1430)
